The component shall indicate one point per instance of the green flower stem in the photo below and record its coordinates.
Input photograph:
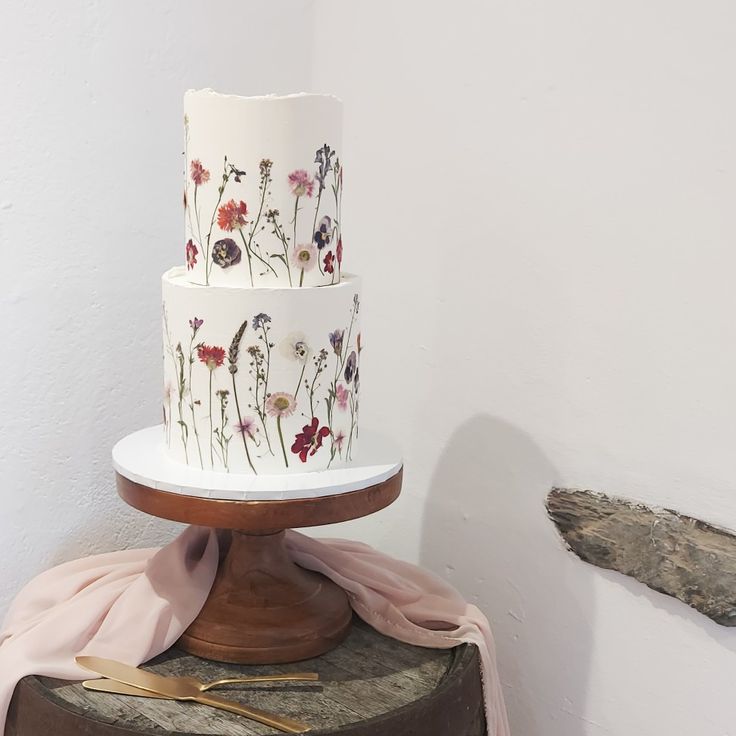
(284, 241)
(301, 279)
(281, 437)
(212, 456)
(314, 228)
(252, 233)
(247, 253)
(268, 365)
(299, 383)
(349, 448)
(240, 421)
(196, 214)
(221, 191)
(191, 403)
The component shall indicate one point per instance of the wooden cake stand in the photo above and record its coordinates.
(263, 608)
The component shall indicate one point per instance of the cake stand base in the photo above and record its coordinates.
(265, 609)
(262, 608)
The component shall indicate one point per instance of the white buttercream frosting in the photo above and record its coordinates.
(263, 189)
(263, 380)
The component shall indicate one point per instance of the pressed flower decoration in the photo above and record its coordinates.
(323, 234)
(266, 238)
(226, 253)
(304, 258)
(350, 366)
(294, 347)
(329, 262)
(212, 357)
(342, 395)
(247, 428)
(199, 174)
(241, 404)
(192, 251)
(309, 440)
(336, 338)
(281, 405)
(300, 183)
(231, 215)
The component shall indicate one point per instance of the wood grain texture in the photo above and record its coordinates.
(673, 554)
(263, 608)
(260, 516)
(370, 686)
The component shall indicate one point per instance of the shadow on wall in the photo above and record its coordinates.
(486, 531)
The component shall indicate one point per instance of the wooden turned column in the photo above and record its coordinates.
(265, 609)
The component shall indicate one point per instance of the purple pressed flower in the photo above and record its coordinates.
(226, 252)
(260, 320)
(336, 341)
(323, 159)
(323, 233)
(196, 323)
(351, 364)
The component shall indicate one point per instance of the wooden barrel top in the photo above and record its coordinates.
(369, 686)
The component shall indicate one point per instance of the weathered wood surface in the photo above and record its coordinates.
(674, 554)
(370, 686)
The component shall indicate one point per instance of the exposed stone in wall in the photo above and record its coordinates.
(671, 553)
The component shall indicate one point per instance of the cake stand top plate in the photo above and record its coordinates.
(141, 458)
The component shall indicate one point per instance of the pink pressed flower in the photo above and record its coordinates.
(301, 183)
(339, 439)
(342, 395)
(247, 427)
(280, 404)
(339, 251)
(199, 174)
(191, 255)
(231, 216)
(304, 257)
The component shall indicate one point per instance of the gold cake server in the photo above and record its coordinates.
(185, 689)
(120, 688)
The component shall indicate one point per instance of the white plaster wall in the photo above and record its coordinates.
(542, 206)
(541, 202)
(91, 140)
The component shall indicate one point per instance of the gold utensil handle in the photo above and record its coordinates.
(289, 677)
(269, 719)
(120, 688)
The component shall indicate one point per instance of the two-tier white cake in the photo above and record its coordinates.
(261, 325)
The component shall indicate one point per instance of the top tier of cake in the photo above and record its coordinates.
(263, 189)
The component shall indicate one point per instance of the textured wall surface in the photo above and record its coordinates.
(541, 200)
(91, 141)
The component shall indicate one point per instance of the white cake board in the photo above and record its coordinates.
(141, 458)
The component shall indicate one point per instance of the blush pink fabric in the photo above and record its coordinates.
(134, 604)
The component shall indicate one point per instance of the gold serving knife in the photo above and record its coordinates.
(185, 689)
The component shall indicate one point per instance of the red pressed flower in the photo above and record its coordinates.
(329, 262)
(211, 356)
(199, 174)
(231, 216)
(191, 255)
(309, 440)
(339, 251)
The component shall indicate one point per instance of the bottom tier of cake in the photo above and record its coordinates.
(261, 380)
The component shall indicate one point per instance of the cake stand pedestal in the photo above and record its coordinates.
(263, 608)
